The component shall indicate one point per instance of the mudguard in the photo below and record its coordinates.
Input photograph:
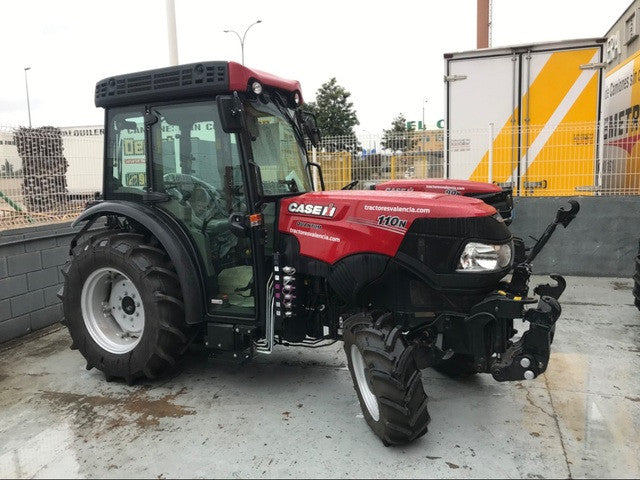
(182, 253)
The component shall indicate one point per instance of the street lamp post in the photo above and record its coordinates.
(423, 103)
(26, 84)
(243, 37)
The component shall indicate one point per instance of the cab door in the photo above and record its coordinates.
(199, 166)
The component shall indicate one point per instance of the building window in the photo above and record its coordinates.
(630, 28)
(612, 47)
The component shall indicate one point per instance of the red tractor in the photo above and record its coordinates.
(212, 232)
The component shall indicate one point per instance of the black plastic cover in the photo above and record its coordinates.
(170, 83)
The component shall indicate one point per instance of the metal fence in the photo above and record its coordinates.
(48, 174)
(539, 160)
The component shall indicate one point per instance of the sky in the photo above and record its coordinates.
(389, 55)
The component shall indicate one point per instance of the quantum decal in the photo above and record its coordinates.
(315, 210)
(399, 189)
(314, 226)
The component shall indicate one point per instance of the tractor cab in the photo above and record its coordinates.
(216, 162)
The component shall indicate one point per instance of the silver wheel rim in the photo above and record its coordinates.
(370, 400)
(112, 310)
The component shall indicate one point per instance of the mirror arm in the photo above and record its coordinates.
(238, 110)
(317, 165)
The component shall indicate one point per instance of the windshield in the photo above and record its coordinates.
(276, 150)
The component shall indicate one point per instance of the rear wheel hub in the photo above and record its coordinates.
(112, 310)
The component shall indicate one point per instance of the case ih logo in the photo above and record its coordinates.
(315, 210)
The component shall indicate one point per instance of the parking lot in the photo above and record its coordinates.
(295, 414)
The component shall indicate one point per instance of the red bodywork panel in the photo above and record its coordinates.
(440, 185)
(239, 77)
(332, 225)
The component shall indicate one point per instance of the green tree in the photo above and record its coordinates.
(335, 113)
(398, 137)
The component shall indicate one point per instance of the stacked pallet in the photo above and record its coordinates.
(44, 169)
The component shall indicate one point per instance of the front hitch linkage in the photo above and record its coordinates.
(528, 357)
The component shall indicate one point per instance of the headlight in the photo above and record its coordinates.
(480, 257)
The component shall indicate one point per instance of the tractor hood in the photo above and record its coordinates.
(498, 197)
(331, 225)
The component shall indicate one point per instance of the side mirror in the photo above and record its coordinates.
(231, 113)
(310, 126)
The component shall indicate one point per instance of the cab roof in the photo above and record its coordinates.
(185, 81)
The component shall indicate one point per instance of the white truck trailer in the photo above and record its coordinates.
(526, 116)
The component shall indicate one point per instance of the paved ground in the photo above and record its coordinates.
(295, 414)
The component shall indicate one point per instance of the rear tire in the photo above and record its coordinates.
(123, 306)
(386, 378)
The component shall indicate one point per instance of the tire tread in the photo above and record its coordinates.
(394, 377)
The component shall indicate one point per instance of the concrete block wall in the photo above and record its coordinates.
(30, 277)
(602, 241)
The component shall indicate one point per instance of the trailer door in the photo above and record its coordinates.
(558, 117)
(482, 110)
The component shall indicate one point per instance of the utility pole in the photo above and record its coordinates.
(483, 23)
(172, 35)
(26, 84)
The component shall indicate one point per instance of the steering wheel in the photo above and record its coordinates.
(199, 201)
(203, 198)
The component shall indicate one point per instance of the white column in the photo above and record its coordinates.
(172, 35)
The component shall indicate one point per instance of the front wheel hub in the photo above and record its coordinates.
(128, 306)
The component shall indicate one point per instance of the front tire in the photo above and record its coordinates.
(458, 366)
(386, 378)
(123, 306)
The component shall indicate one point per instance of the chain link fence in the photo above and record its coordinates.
(48, 174)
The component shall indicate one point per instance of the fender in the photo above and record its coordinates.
(175, 241)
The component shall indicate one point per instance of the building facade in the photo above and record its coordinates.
(623, 38)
